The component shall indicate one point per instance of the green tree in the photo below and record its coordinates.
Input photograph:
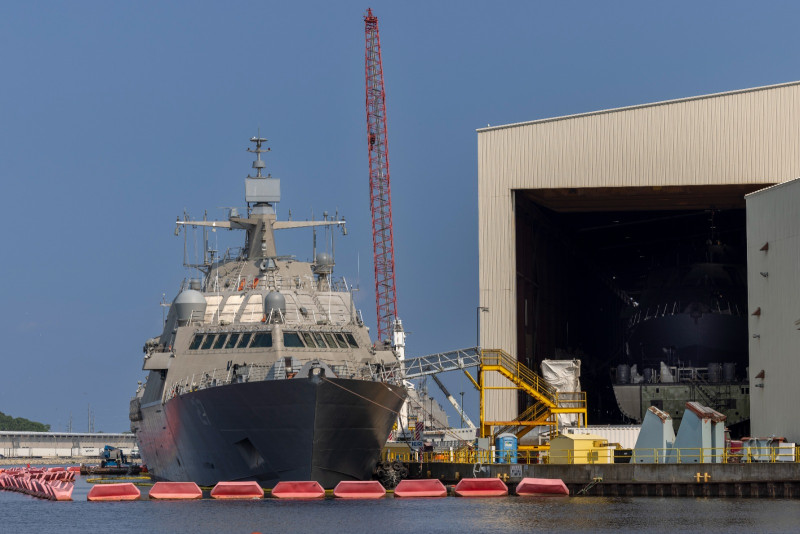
(21, 424)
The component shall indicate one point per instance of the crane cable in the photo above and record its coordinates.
(419, 404)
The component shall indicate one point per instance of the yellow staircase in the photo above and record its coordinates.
(538, 414)
(548, 402)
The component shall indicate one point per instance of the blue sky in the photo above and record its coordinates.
(115, 116)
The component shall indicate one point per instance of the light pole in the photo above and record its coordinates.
(462, 409)
(478, 324)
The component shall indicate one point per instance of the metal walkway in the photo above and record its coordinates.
(547, 404)
(440, 362)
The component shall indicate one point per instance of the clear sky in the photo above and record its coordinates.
(115, 116)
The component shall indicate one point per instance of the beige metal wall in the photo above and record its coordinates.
(741, 137)
(773, 216)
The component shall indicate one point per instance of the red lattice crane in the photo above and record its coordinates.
(379, 191)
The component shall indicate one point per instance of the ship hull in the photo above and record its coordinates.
(320, 429)
(733, 400)
(695, 340)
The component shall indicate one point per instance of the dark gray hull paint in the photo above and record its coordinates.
(697, 341)
(326, 430)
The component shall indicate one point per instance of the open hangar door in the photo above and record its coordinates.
(591, 261)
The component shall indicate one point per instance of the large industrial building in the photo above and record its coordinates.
(23, 444)
(577, 213)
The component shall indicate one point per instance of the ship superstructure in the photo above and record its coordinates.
(264, 370)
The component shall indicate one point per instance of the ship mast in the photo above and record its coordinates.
(258, 164)
(261, 194)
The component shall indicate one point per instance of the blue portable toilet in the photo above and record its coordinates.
(506, 449)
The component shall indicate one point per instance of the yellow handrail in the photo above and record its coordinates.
(523, 373)
(553, 402)
(666, 455)
(532, 413)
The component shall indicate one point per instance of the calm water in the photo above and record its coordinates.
(20, 513)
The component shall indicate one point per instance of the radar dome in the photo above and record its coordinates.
(189, 303)
(273, 303)
(323, 263)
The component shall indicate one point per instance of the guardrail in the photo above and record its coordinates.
(604, 456)
(257, 373)
(498, 358)
(570, 399)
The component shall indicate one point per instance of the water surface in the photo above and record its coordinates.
(21, 513)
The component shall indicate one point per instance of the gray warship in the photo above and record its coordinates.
(687, 337)
(264, 369)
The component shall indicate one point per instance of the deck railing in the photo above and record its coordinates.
(258, 373)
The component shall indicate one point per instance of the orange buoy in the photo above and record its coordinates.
(481, 487)
(430, 487)
(298, 490)
(542, 486)
(237, 490)
(355, 489)
(125, 491)
(175, 490)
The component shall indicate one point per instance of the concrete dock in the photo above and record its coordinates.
(777, 480)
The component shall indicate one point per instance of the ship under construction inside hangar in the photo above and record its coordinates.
(578, 213)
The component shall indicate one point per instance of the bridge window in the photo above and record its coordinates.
(232, 341)
(246, 337)
(196, 340)
(292, 339)
(308, 339)
(351, 340)
(262, 340)
(207, 342)
(330, 340)
(320, 340)
(341, 340)
(220, 341)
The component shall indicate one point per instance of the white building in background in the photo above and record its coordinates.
(15, 444)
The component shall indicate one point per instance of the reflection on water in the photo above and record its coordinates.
(20, 513)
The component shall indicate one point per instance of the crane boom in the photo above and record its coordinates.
(455, 404)
(379, 191)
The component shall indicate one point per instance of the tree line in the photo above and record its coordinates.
(20, 423)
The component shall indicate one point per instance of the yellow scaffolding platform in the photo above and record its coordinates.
(548, 403)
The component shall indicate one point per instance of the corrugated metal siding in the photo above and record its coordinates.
(731, 139)
(745, 137)
(773, 216)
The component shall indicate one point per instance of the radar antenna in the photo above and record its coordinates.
(258, 164)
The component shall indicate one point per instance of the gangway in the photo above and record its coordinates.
(440, 362)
